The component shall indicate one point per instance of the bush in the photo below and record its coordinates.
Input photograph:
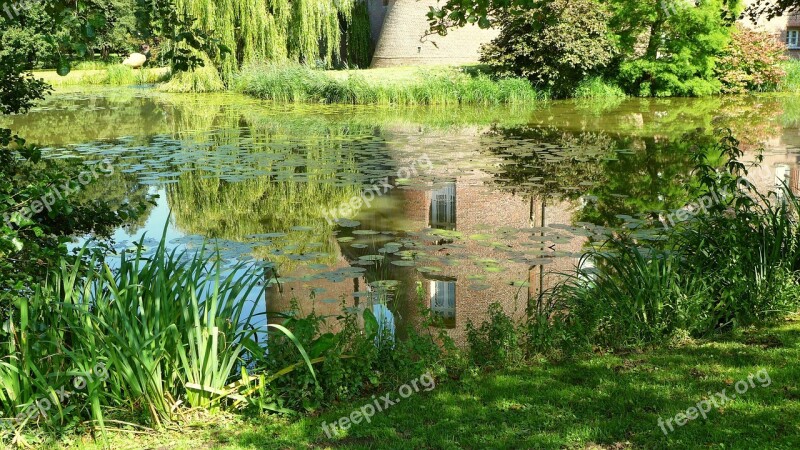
(735, 265)
(752, 62)
(543, 44)
(496, 342)
(358, 358)
(681, 52)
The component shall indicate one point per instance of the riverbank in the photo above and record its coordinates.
(405, 86)
(601, 402)
(113, 75)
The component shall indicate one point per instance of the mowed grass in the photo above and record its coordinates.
(601, 402)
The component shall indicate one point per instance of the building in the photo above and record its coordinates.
(400, 36)
(785, 28)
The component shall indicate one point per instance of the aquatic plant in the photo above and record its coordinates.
(168, 327)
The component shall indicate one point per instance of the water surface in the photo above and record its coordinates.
(387, 208)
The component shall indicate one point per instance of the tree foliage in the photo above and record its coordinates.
(752, 62)
(38, 213)
(663, 47)
(555, 44)
(676, 50)
(306, 31)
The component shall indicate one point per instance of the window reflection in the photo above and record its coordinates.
(443, 207)
(443, 301)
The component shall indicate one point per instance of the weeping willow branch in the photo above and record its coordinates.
(305, 31)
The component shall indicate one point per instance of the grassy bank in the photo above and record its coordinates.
(113, 75)
(601, 402)
(439, 86)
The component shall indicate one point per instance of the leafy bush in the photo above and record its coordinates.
(354, 360)
(496, 342)
(791, 82)
(752, 62)
(555, 44)
(682, 47)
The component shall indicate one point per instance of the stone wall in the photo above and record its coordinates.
(403, 42)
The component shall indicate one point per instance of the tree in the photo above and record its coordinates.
(541, 44)
(32, 236)
(457, 13)
(772, 8)
(665, 49)
(752, 62)
(681, 46)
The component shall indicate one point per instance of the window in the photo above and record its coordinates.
(443, 301)
(443, 207)
(793, 39)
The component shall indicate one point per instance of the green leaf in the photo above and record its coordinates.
(370, 324)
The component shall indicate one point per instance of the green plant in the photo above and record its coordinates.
(791, 82)
(541, 43)
(598, 88)
(752, 62)
(200, 79)
(169, 327)
(445, 87)
(497, 342)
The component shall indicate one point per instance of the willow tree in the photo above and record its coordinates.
(307, 31)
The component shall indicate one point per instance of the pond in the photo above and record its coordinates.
(389, 208)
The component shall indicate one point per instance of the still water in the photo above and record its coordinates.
(390, 208)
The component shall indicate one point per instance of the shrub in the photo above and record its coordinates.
(200, 79)
(352, 361)
(681, 52)
(752, 62)
(496, 342)
(555, 44)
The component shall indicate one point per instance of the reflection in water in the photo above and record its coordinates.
(512, 199)
(443, 207)
(443, 301)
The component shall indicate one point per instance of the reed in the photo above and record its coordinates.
(439, 87)
(169, 328)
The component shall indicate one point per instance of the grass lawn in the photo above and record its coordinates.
(602, 402)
